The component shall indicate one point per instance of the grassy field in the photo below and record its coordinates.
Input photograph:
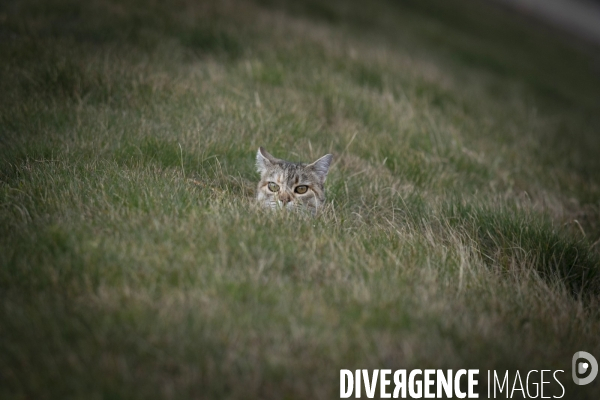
(462, 226)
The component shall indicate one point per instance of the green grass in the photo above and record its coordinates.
(462, 223)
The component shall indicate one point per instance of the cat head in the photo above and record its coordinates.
(290, 185)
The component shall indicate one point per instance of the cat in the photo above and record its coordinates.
(290, 185)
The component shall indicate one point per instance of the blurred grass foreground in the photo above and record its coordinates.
(462, 226)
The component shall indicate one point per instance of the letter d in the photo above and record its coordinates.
(591, 362)
(346, 390)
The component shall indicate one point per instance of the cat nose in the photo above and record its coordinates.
(285, 198)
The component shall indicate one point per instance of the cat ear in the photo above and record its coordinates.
(321, 166)
(264, 160)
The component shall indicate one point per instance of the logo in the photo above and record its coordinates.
(584, 364)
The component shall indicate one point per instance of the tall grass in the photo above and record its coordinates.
(461, 229)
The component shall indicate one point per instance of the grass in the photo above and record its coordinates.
(461, 229)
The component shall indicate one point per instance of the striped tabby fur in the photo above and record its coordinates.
(289, 185)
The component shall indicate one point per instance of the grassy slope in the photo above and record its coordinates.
(463, 215)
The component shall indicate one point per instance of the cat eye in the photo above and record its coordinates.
(301, 189)
(273, 187)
